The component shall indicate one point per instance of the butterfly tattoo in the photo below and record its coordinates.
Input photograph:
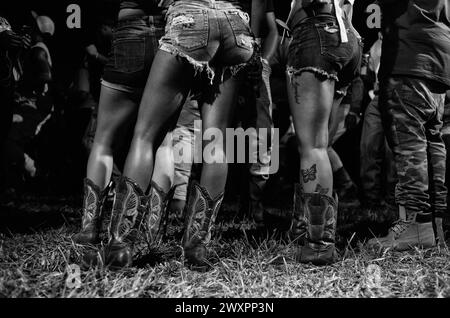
(309, 174)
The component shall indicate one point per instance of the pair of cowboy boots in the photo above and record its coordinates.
(136, 221)
(314, 227)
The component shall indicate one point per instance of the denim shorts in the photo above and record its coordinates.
(316, 47)
(135, 43)
(211, 35)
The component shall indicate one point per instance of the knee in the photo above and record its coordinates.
(144, 134)
(318, 142)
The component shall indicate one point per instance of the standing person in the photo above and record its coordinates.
(377, 170)
(97, 47)
(446, 138)
(184, 141)
(10, 44)
(261, 119)
(203, 37)
(135, 39)
(345, 118)
(34, 76)
(414, 76)
(324, 58)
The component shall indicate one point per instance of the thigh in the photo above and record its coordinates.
(117, 111)
(219, 113)
(166, 90)
(311, 101)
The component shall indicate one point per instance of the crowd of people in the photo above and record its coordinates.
(157, 69)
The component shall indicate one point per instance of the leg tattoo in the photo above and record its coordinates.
(309, 174)
(297, 92)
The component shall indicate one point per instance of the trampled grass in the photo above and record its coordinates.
(36, 265)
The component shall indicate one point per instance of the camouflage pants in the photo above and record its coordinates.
(412, 111)
(377, 170)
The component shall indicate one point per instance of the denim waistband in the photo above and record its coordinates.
(142, 20)
(209, 4)
(323, 18)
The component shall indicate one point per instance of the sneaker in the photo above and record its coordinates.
(406, 235)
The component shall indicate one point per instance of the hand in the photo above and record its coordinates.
(352, 120)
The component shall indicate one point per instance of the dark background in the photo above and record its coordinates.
(67, 44)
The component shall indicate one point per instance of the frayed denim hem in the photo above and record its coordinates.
(199, 67)
(320, 73)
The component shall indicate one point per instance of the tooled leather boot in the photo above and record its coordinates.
(92, 214)
(297, 232)
(157, 214)
(320, 219)
(202, 212)
(127, 227)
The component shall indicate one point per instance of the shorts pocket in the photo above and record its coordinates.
(239, 22)
(330, 42)
(189, 29)
(129, 54)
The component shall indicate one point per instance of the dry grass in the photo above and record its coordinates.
(35, 265)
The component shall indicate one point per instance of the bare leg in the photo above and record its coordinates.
(311, 102)
(164, 172)
(218, 116)
(166, 90)
(117, 112)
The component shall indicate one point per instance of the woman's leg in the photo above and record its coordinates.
(168, 85)
(164, 165)
(117, 112)
(311, 102)
(218, 115)
(205, 199)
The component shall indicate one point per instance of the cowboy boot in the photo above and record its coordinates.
(320, 219)
(202, 212)
(157, 214)
(127, 227)
(297, 232)
(92, 213)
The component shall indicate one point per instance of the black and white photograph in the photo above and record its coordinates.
(225, 155)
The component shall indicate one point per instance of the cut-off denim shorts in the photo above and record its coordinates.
(316, 47)
(135, 43)
(213, 36)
